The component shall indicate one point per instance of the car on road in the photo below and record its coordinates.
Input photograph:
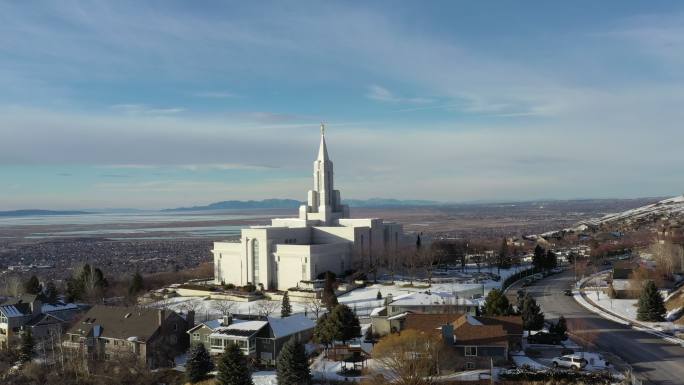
(571, 361)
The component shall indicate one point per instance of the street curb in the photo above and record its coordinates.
(636, 325)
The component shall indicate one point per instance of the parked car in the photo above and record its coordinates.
(557, 270)
(538, 276)
(544, 339)
(572, 361)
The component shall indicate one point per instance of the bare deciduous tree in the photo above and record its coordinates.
(266, 308)
(315, 306)
(223, 306)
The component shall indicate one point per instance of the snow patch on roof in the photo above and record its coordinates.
(290, 325)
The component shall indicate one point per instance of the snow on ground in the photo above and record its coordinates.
(522, 360)
(627, 308)
(265, 378)
(363, 299)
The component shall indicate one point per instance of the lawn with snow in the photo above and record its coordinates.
(362, 299)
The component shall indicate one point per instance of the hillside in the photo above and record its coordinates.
(665, 209)
(671, 208)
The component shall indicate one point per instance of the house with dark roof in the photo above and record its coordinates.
(391, 318)
(30, 313)
(470, 342)
(152, 337)
(260, 338)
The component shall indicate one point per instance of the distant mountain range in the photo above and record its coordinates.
(29, 212)
(292, 203)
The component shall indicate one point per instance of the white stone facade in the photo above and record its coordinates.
(322, 238)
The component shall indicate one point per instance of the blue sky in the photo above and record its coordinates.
(164, 104)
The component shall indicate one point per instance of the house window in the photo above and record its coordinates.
(196, 336)
(108, 356)
(471, 350)
(470, 365)
(116, 343)
(175, 327)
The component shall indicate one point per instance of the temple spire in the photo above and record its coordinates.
(323, 149)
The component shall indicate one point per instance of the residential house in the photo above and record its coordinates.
(470, 342)
(152, 337)
(391, 318)
(260, 338)
(28, 313)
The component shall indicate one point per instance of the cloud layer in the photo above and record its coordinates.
(224, 102)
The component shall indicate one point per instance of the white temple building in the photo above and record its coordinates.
(323, 238)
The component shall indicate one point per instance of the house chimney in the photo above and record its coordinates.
(227, 320)
(448, 336)
(162, 315)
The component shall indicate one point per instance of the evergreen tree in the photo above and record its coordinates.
(136, 285)
(344, 323)
(199, 364)
(379, 295)
(32, 286)
(292, 367)
(323, 331)
(496, 304)
(533, 318)
(285, 308)
(560, 328)
(651, 306)
(50, 293)
(233, 368)
(550, 261)
(329, 297)
(26, 347)
(520, 299)
(538, 258)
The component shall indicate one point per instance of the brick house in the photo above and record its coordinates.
(471, 342)
(150, 336)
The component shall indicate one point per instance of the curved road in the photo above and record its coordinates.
(655, 361)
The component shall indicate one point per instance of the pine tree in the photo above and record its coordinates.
(32, 286)
(292, 367)
(329, 297)
(651, 306)
(538, 258)
(285, 308)
(520, 299)
(496, 304)
(26, 347)
(561, 328)
(344, 323)
(136, 285)
(533, 318)
(199, 364)
(50, 293)
(233, 368)
(379, 295)
(550, 261)
(323, 331)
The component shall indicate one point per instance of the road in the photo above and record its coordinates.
(653, 359)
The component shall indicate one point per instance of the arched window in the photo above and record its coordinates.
(255, 261)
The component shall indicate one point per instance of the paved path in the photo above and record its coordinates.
(656, 361)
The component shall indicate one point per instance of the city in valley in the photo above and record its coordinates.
(329, 193)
